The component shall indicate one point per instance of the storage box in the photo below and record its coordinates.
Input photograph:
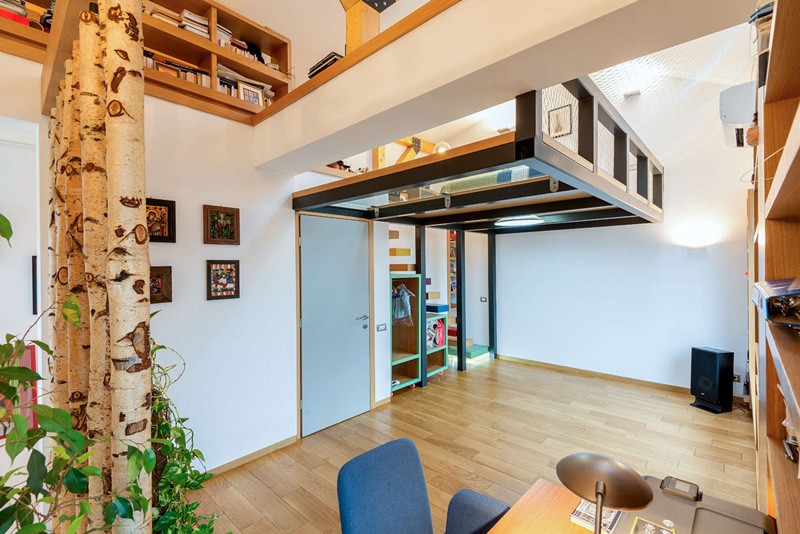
(779, 300)
(434, 307)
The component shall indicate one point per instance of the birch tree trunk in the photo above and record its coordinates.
(95, 231)
(129, 264)
(79, 340)
(60, 389)
(55, 155)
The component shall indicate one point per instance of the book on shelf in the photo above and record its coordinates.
(179, 70)
(201, 33)
(15, 7)
(583, 515)
(323, 64)
(194, 23)
(187, 15)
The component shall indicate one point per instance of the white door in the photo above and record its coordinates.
(335, 323)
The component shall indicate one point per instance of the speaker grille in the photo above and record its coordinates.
(705, 375)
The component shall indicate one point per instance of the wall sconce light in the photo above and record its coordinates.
(697, 235)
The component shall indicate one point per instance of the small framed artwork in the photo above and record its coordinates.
(222, 279)
(166, 69)
(161, 220)
(220, 225)
(559, 121)
(251, 93)
(160, 284)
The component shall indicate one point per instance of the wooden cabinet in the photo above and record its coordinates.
(776, 255)
(406, 338)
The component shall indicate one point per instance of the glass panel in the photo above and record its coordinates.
(560, 116)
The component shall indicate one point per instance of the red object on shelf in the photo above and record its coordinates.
(13, 16)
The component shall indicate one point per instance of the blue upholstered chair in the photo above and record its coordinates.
(383, 492)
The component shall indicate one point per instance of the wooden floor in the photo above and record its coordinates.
(494, 429)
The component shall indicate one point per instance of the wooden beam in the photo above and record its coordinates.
(363, 23)
(424, 146)
(378, 158)
(408, 154)
(347, 4)
(59, 47)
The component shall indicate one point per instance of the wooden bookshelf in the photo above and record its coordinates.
(406, 340)
(181, 46)
(23, 41)
(776, 256)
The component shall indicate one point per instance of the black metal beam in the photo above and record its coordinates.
(461, 305)
(438, 170)
(422, 295)
(492, 295)
(515, 211)
(572, 225)
(560, 218)
(343, 212)
(516, 190)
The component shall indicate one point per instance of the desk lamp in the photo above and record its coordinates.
(605, 482)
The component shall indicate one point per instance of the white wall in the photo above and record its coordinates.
(436, 263)
(632, 301)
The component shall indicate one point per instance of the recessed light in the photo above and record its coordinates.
(519, 222)
(441, 147)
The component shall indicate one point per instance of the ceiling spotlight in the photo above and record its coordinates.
(441, 147)
(518, 222)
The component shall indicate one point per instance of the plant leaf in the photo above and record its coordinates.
(33, 528)
(37, 469)
(91, 471)
(5, 229)
(75, 524)
(109, 513)
(71, 310)
(76, 482)
(124, 507)
(42, 345)
(23, 374)
(149, 460)
(135, 462)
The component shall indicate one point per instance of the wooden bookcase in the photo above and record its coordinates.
(776, 255)
(23, 41)
(406, 342)
(181, 46)
(437, 355)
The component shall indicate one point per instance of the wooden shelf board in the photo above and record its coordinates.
(405, 381)
(785, 485)
(399, 356)
(784, 345)
(23, 41)
(164, 86)
(436, 349)
(783, 200)
(782, 79)
(182, 44)
(59, 48)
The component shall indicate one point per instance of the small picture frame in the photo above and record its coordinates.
(160, 284)
(223, 279)
(559, 121)
(220, 225)
(251, 93)
(161, 220)
(167, 69)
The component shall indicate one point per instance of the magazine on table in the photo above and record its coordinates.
(583, 516)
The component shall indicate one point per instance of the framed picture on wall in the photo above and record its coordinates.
(222, 279)
(220, 225)
(160, 284)
(559, 121)
(161, 220)
(251, 93)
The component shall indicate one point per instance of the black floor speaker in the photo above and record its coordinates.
(712, 379)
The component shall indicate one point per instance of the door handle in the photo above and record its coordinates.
(362, 318)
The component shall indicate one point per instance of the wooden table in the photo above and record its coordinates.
(544, 509)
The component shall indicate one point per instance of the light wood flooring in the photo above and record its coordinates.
(495, 429)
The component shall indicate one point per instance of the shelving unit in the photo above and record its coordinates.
(406, 342)
(23, 41)
(776, 256)
(452, 293)
(181, 46)
(437, 355)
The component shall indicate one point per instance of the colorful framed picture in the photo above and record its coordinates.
(220, 225)
(223, 279)
(251, 93)
(166, 69)
(27, 398)
(160, 284)
(559, 121)
(161, 220)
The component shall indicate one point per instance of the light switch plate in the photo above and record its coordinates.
(382, 327)
(484, 299)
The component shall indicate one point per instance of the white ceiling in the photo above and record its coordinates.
(677, 112)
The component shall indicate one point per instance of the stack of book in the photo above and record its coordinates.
(168, 16)
(178, 70)
(323, 64)
(14, 10)
(194, 23)
(228, 83)
(224, 36)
